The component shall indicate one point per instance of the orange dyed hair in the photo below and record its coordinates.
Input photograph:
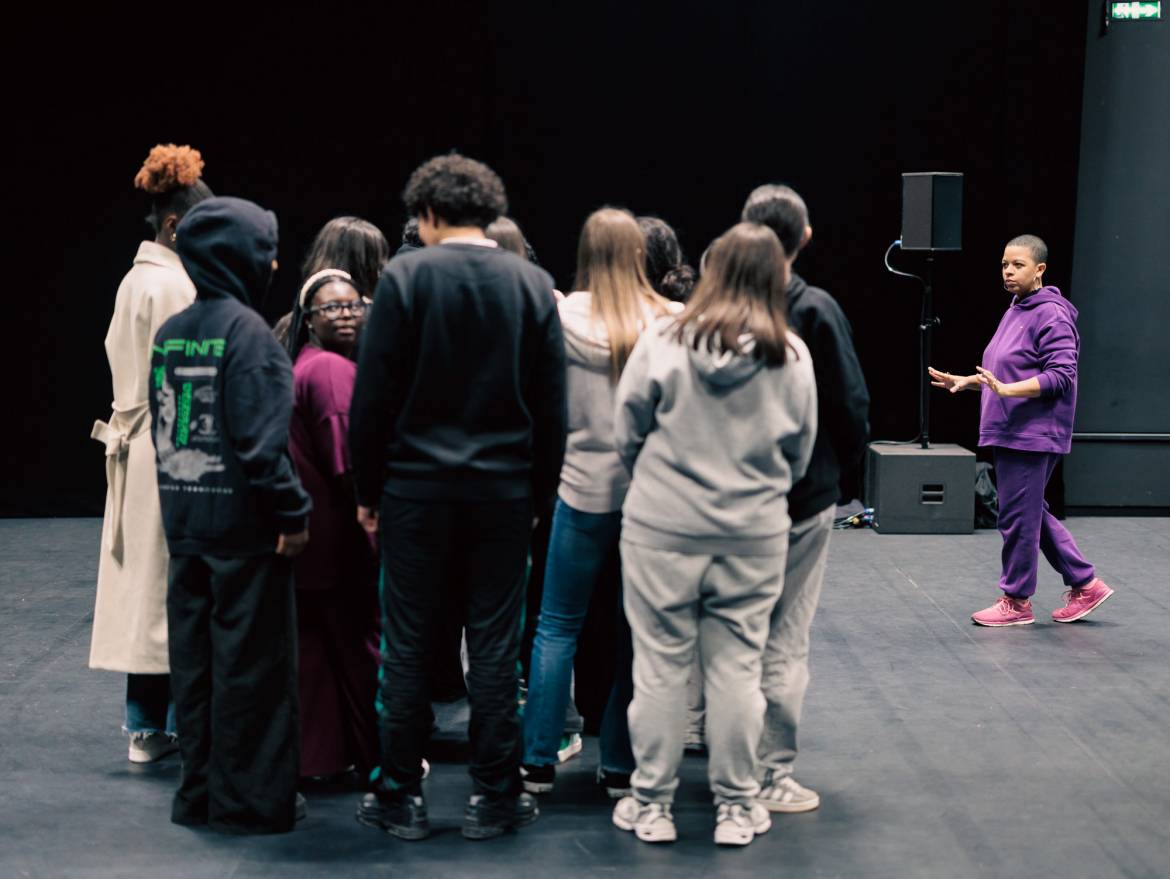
(169, 167)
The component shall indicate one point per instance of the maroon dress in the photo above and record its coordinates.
(336, 578)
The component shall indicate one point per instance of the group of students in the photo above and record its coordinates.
(298, 520)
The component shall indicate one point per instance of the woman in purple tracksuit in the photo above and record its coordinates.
(1029, 386)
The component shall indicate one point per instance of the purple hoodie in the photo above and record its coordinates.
(1036, 337)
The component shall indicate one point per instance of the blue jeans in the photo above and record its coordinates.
(149, 707)
(580, 546)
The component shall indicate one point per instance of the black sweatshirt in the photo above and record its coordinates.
(222, 395)
(460, 392)
(842, 398)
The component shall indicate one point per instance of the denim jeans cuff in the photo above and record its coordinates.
(148, 730)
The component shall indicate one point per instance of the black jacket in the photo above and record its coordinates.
(842, 398)
(222, 394)
(460, 390)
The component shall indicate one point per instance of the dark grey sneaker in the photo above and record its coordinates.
(487, 817)
(399, 814)
(538, 779)
(301, 807)
(615, 784)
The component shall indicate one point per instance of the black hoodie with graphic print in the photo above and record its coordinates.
(222, 394)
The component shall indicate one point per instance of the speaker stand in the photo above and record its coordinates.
(926, 328)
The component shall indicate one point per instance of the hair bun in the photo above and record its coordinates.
(678, 283)
(169, 167)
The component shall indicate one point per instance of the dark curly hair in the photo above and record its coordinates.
(460, 191)
(665, 267)
(410, 233)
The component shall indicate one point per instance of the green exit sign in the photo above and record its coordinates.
(1135, 11)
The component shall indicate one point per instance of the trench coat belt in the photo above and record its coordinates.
(124, 426)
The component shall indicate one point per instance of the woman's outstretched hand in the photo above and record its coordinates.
(986, 377)
(1029, 387)
(953, 383)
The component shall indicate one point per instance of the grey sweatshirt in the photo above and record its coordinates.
(714, 442)
(593, 478)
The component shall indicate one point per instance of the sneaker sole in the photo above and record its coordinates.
(656, 836)
(538, 787)
(616, 793)
(137, 756)
(734, 836)
(410, 834)
(790, 808)
(1003, 625)
(1086, 612)
(479, 832)
(643, 834)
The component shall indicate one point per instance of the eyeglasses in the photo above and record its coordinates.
(334, 310)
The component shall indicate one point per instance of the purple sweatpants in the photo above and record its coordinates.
(1027, 526)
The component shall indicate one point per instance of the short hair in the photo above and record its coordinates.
(460, 191)
(1034, 244)
(782, 210)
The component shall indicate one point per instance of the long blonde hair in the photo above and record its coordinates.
(611, 266)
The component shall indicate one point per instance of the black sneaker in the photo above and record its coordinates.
(400, 814)
(615, 784)
(538, 779)
(487, 817)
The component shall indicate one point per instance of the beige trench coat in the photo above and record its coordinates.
(130, 614)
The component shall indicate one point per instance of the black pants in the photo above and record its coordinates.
(437, 556)
(233, 656)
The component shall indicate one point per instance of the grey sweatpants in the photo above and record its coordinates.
(785, 677)
(721, 605)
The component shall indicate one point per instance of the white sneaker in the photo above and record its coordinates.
(571, 746)
(739, 825)
(651, 822)
(786, 794)
(148, 747)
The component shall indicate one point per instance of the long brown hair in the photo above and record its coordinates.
(352, 244)
(743, 290)
(611, 266)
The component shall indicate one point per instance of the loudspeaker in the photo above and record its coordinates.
(932, 211)
(921, 491)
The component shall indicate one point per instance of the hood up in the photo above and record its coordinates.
(227, 246)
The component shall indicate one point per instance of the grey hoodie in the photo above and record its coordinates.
(593, 478)
(714, 442)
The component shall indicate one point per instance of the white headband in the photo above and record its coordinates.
(312, 280)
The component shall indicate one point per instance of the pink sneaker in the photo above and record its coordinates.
(1079, 603)
(1007, 611)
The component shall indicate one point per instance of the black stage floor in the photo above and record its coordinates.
(940, 749)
